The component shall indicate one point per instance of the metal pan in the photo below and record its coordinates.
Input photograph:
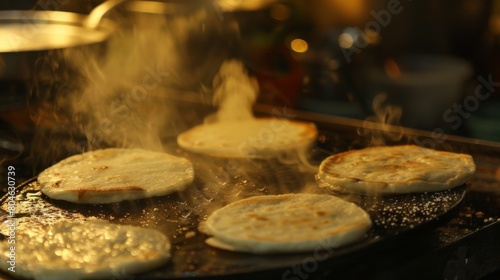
(26, 34)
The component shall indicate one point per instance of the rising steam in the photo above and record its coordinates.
(121, 97)
(383, 127)
(126, 101)
(235, 93)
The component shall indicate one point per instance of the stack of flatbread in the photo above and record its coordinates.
(113, 175)
(395, 170)
(264, 137)
(286, 223)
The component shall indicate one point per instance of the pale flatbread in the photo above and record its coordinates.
(395, 170)
(90, 250)
(286, 223)
(113, 175)
(265, 137)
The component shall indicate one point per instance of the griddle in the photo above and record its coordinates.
(192, 257)
(416, 221)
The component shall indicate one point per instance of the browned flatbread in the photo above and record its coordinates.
(85, 250)
(286, 223)
(395, 169)
(113, 175)
(263, 137)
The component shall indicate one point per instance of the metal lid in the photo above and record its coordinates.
(42, 30)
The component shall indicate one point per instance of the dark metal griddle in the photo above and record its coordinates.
(411, 220)
(193, 258)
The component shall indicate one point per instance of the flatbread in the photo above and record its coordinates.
(264, 137)
(395, 170)
(113, 175)
(286, 223)
(90, 250)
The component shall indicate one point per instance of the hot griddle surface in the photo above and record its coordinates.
(410, 231)
(191, 257)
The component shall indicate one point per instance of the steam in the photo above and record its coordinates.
(126, 102)
(122, 97)
(383, 127)
(235, 93)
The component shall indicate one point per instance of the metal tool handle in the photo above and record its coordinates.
(96, 15)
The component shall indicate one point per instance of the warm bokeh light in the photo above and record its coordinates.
(299, 45)
(346, 40)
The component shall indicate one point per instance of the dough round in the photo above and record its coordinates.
(286, 223)
(395, 170)
(89, 250)
(265, 137)
(114, 175)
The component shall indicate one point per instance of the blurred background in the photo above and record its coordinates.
(334, 57)
(431, 65)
